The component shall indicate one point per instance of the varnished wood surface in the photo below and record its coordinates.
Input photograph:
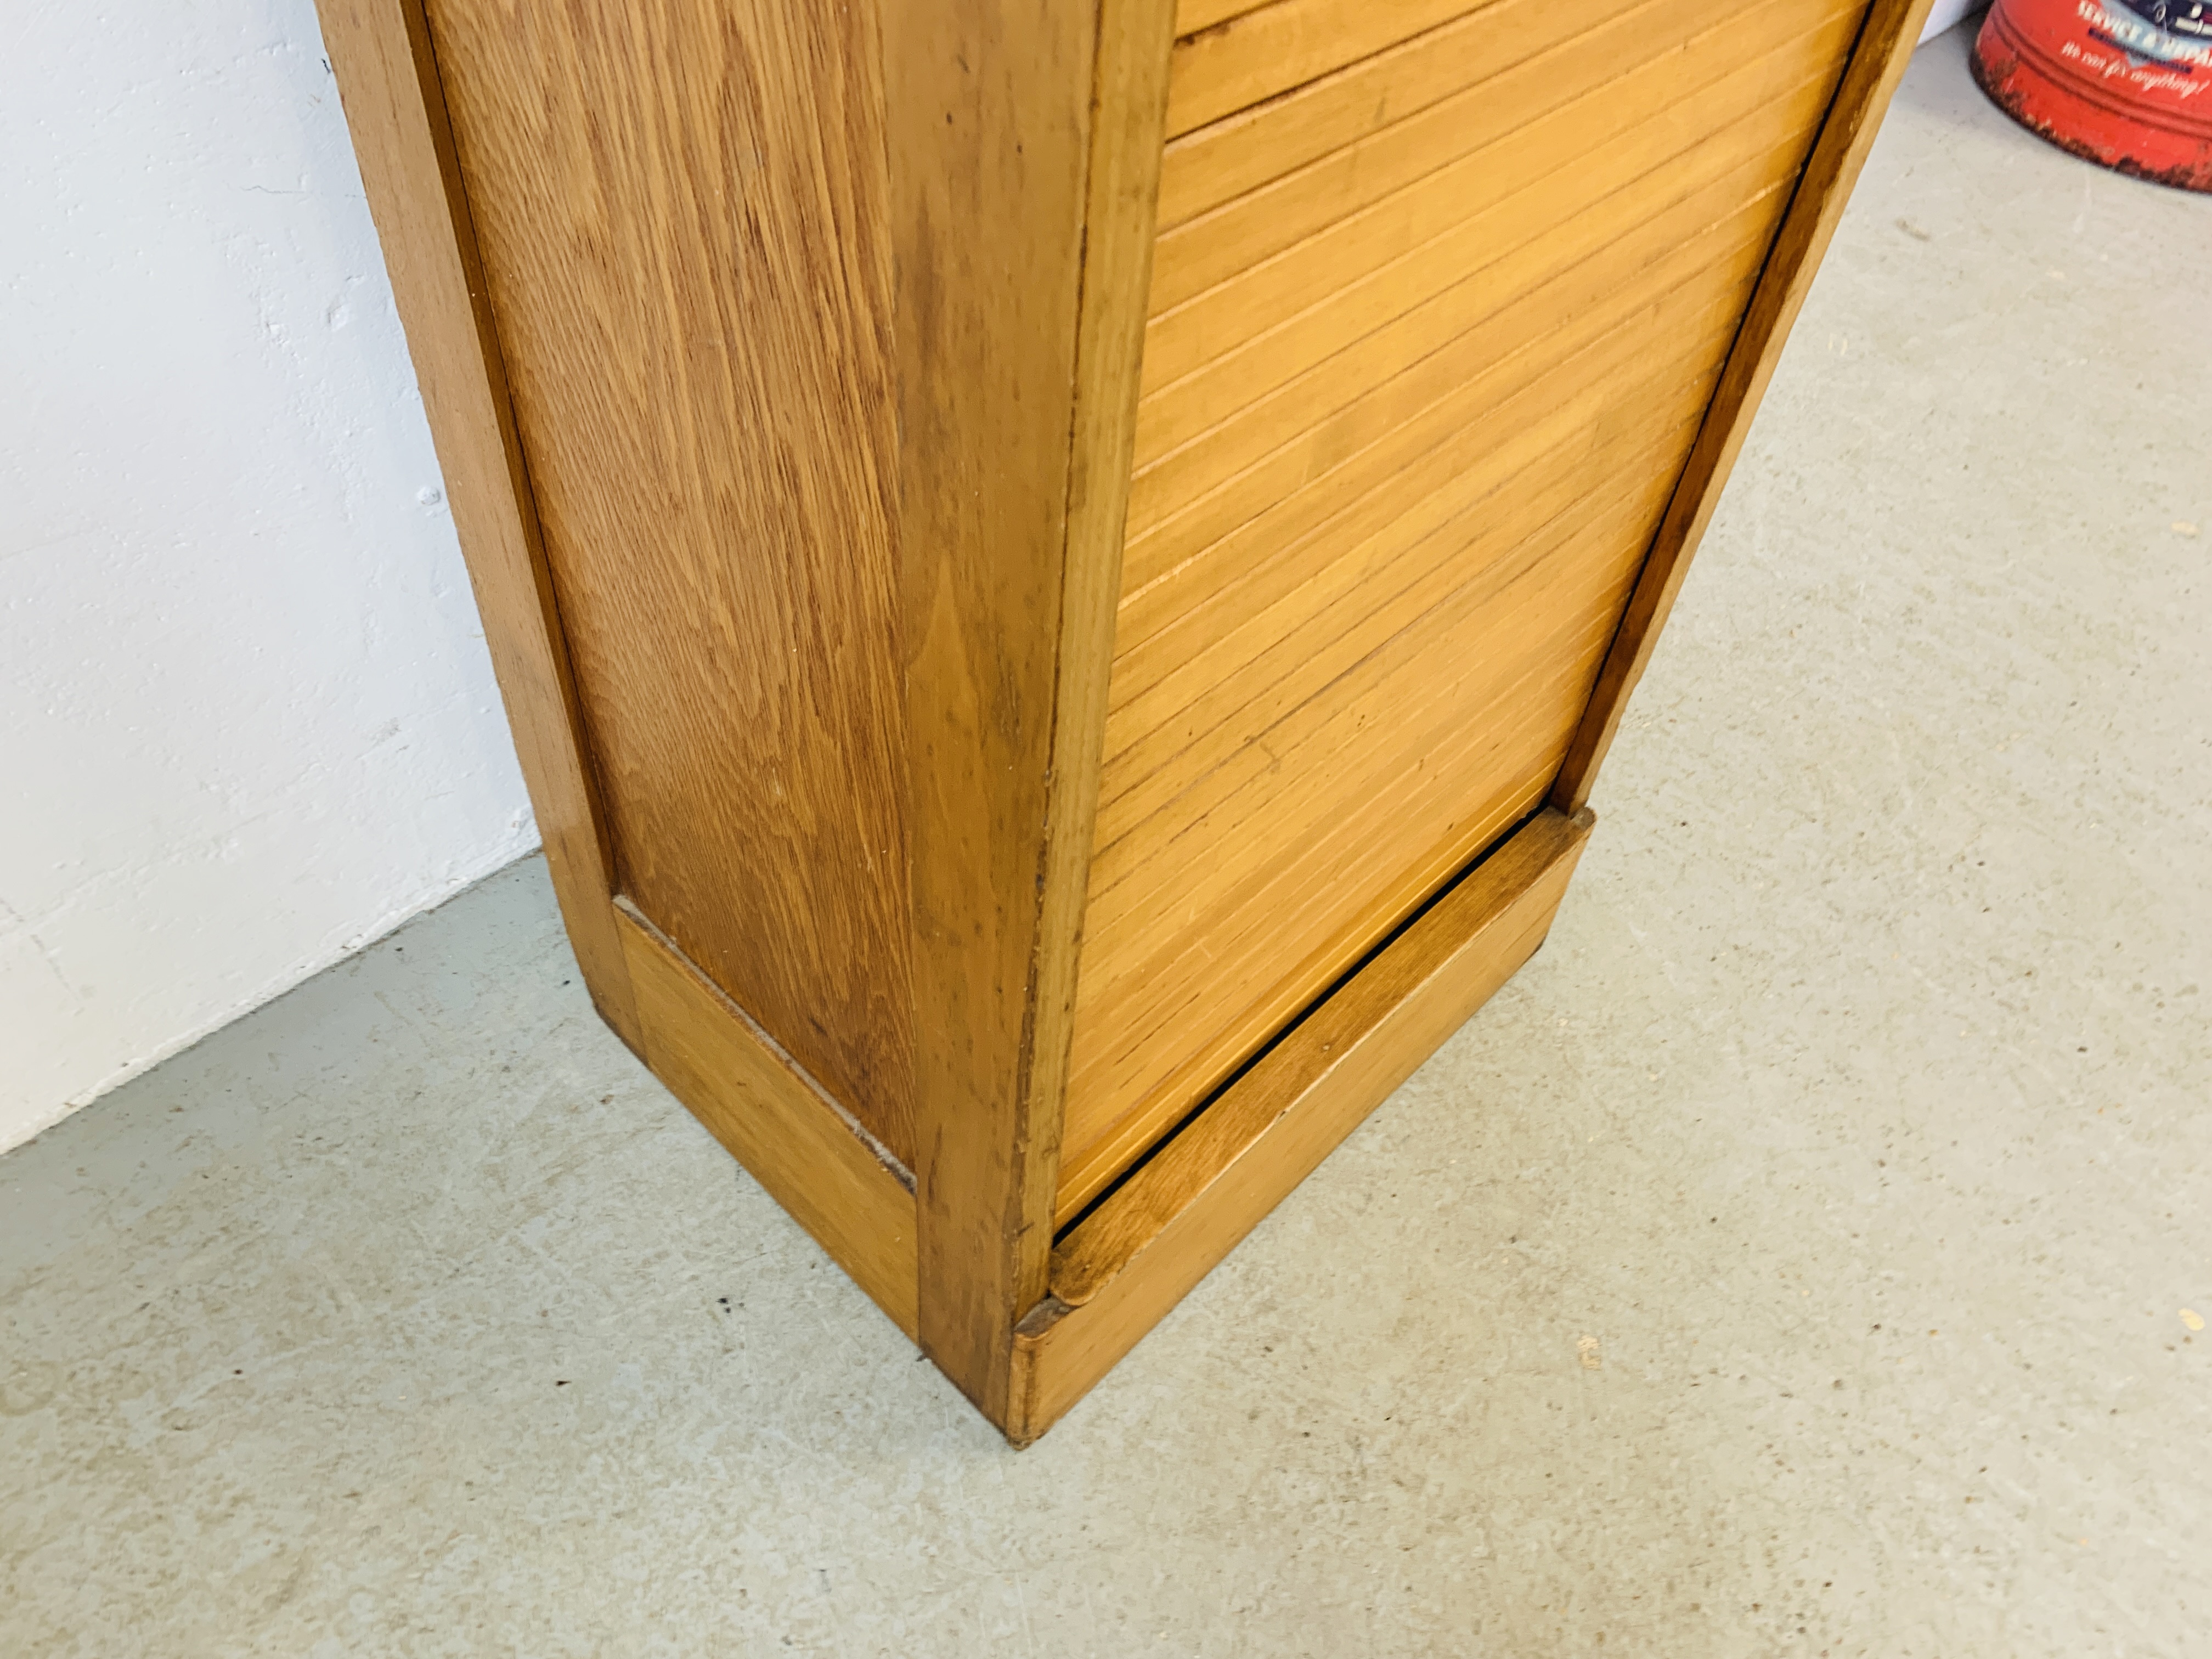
(1892, 29)
(1216, 353)
(686, 232)
(834, 1178)
(1378, 546)
(1002, 178)
(379, 50)
(1381, 563)
(1254, 54)
(1192, 15)
(1229, 157)
(1014, 656)
(1138, 1254)
(1253, 485)
(1266, 681)
(1276, 914)
(1119, 238)
(1573, 97)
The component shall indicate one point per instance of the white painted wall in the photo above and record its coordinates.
(246, 719)
(1948, 14)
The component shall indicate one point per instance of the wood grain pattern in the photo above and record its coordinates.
(1290, 307)
(379, 50)
(1357, 622)
(1008, 129)
(1119, 237)
(1140, 1252)
(834, 1178)
(1022, 541)
(1215, 876)
(1254, 54)
(1327, 438)
(1877, 64)
(1192, 15)
(1292, 664)
(1477, 695)
(683, 208)
(1336, 318)
(1546, 427)
(1568, 99)
(1223, 159)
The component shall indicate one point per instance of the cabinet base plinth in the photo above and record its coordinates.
(1121, 1268)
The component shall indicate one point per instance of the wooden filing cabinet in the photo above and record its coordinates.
(1061, 569)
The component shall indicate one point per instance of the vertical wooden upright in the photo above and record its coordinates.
(1022, 137)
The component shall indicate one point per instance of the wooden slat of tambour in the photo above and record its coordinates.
(1312, 665)
(1212, 947)
(1192, 15)
(1483, 757)
(1185, 752)
(1173, 415)
(1214, 1052)
(1192, 771)
(1679, 199)
(1540, 404)
(1256, 54)
(1222, 1048)
(1252, 855)
(1361, 772)
(1303, 662)
(1271, 457)
(1271, 506)
(1162, 1023)
(1295, 627)
(1200, 170)
(1525, 396)
(1546, 169)
(1132, 1260)
(1175, 757)
(1311, 472)
(1083, 1258)
(1512, 738)
(1571, 156)
(1625, 67)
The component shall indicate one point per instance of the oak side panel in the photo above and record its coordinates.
(683, 211)
(1016, 135)
(1119, 1271)
(379, 51)
(827, 1172)
(1877, 64)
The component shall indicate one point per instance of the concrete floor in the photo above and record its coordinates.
(1855, 1108)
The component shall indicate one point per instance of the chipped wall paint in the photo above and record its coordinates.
(246, 719)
